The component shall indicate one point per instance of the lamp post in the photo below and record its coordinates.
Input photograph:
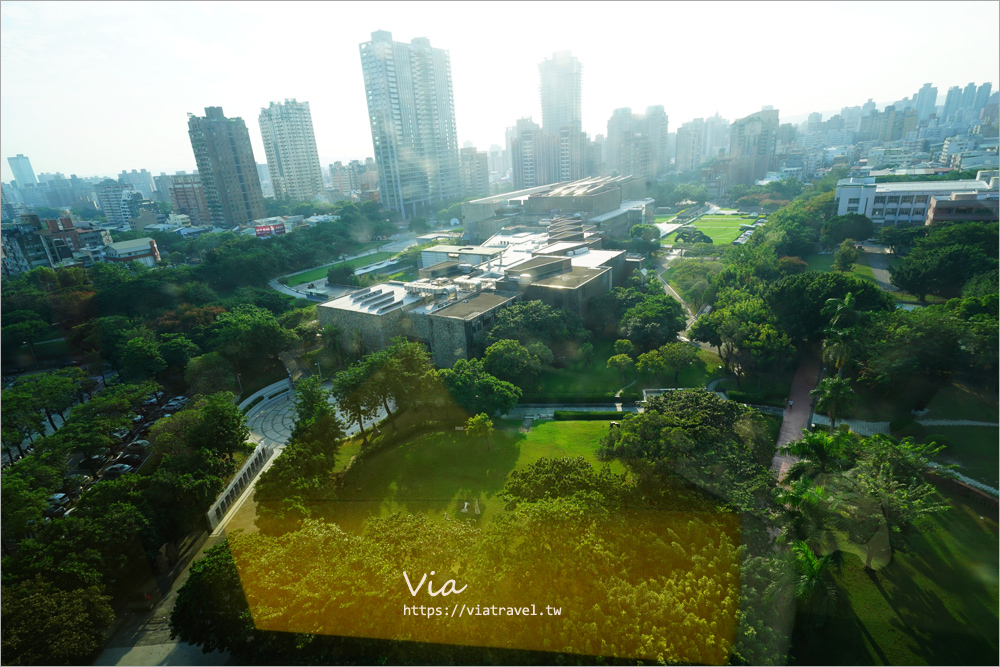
(32, 348)
(240, 381)
(319, 370)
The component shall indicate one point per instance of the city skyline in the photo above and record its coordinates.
(52, 49)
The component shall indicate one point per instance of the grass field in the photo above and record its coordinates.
(435, 474)
(825, 263)
(936, 605)
(721, 228)
(974, 450)
(578, 378)
(319, 273)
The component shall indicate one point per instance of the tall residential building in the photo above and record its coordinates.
(264, 174)
(23, 173)
(752, 144)
(497, 163)
(952, 102)
(640, 137)
(187, 196)
(475, 172)
(716, 135)
(690, 142)
(982, 96)
(226, 167)
(969, 96)
(290, 146)
(926, 101)
(139, 180)
(338, 178)
(411, 110)
(532, 155)
(163, 183)
(561, 90)
(118, 202)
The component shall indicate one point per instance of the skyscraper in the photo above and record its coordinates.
(926, 101)
(411, 109)
(23, 173)
(532, 155)
(752, 144)
(475, 172)
(561, 89)
(140, 180)
(226, 168)
(690, 145)
(637, 143)
(290, 146)
(952, 102)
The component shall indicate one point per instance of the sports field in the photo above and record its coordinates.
(721, 228)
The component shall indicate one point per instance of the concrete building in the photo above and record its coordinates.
(533, 155)
(690, 146)
(118, 202)
(290, 147)
(904, 203)
(561, 91)
(926, 101)
(475, 172)
(964, 207)
(141, 181)
(264, 174)
(187, 196)
(142, 250)
(226, 167)
(450, 316)
(636, 144)
(411, 110)
(752, 145)
(163, 183)
(20, 166)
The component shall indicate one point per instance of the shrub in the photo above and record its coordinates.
(899, 423)
(938, 439)
(588, 415)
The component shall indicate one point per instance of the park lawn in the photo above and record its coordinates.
(578, 378)
(436, 473)
(721, 228)
(957, 401)
(320, 272)
(936, 605)
(974, 449)
(861, 269)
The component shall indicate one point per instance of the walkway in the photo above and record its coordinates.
(797, 416)
(879, 261)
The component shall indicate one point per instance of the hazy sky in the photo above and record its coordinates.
(93, 88)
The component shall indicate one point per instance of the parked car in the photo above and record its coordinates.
(129, 459)
(138, 418)
(121, 433)
(59, 499)
(138, 447)
(53, 512)
(117, 470)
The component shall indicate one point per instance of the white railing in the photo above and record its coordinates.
(270, 391)
(217, 512)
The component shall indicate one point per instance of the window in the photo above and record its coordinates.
(893, 200)
(908, 199)
(854, 200)
(880, 200)
(852, 209)
(919, 211)
(890, 211)
(904, 211)
(921, 199)
(877, 212)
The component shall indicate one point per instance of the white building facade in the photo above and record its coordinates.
(290, 146)
(902, 203)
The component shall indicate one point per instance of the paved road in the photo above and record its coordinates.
(878, 259)
(797, 416)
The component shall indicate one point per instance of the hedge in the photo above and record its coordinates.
(588, 415)
(753, 398)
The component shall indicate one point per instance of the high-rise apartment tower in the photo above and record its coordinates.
(561, 89)
(290, 147)
(411, 109)
(226, 168)
(23, 173)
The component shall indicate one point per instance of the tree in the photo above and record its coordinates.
(849, 226)
(645, 232)
(821, 454)
(222, 426)
(141, 359)
(341, 274)
(623, 363)
(624, 346)
(510, 361)
(677, 357)
(835, 397)
(312, 402)
(249, 336)
(475, 390)
(354, 396)
(814, 585)
(842, 312)
(655, 321)
(533, 321)
(480, 426)
(798, 302)
(839, 350)
(47, 626)
(845, 257)
(209, 373)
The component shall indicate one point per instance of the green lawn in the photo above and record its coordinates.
(578, 378)
(721, 228)
(936, 605)
(861, 269)
(320, 272)
(974, 449)
(958, 401)
(951, 402)
(435, 474)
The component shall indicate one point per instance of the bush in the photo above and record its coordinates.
(938, 439)
(773, 399)
(906, 427)
(899, 423)
(574, 399)
(283, 280)
(588, 415)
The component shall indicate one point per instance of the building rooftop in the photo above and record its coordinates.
(473, 305)
(137, 244)
(939, 186)
(471, 249)
(571, 279)
(375, 300)
(586, 186)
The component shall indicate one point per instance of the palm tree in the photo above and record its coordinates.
(814, 585)
(835, 397)
(842, 312)
(839, 350)
(819, 454)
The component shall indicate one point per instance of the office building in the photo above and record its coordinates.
(411, 109)
(752, 144)
(264, 174)
(926, 101)
(118, 202)
(952, 102)
(532, 154)
(637, 143)
(290, 147)
(24, 175)
(226, 167)
(690, 146)
(561, 89)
